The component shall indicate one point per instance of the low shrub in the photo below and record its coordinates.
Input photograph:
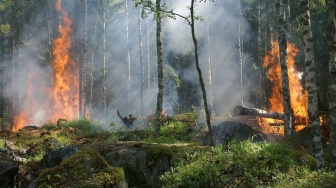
(242, 164)
(172, 132)
(83, 126)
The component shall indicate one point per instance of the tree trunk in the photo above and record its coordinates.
(246, 111)
(128, 56)
(199, 71)
(14, 104)
(104, 59)
(210, 68)
(311, 83)
(92, 58)
(148, 58)
(142, 66)
(160, 68)
(242, 110)
(240, 46)
(79, 61)
(84, 67)
(288, 112)
(331, 30)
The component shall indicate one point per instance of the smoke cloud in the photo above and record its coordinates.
(217, 35)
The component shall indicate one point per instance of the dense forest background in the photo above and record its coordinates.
(233, 38)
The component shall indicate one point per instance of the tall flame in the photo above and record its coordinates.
(298, 96)
(62, 100)
(65, 90)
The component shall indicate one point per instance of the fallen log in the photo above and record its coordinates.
(242, 110)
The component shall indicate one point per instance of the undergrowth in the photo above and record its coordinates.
(83, 126)
(246, 164)
(172, 132)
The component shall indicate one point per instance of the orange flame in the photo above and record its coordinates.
(26, 115)
(66, 87)
(298, 96)
(63, 95)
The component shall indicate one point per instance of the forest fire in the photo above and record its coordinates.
(62, 97)
(299, 98)
(65, 90)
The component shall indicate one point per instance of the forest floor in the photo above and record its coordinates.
(180, 136)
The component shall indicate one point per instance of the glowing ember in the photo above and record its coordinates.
(62, 98)
(299, 98)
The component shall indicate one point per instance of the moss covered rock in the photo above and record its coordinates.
(86, 168)
(143, 162)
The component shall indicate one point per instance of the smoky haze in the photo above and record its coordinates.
(221, 20)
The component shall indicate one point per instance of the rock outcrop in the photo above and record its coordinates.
(86, 168)
(8, 171)
(143, 163)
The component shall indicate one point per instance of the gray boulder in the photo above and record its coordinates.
(55, 157)
(8, 171)
(227, 131)
(143, 163)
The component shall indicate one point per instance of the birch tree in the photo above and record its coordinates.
(331, 30)
(311, 83)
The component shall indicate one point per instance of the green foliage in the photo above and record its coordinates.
(172, 132)
(243, 164)
(49, 126)
(38, 156)
(83, 126)
(148, 7)
(4, 29)
(4, 124)
(304, 178)
(157, 151)
(2, 143)
(171, 74)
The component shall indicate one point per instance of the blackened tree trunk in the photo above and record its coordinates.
(331, 30)
(311, 83)
(288, 112)
(160, 68)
